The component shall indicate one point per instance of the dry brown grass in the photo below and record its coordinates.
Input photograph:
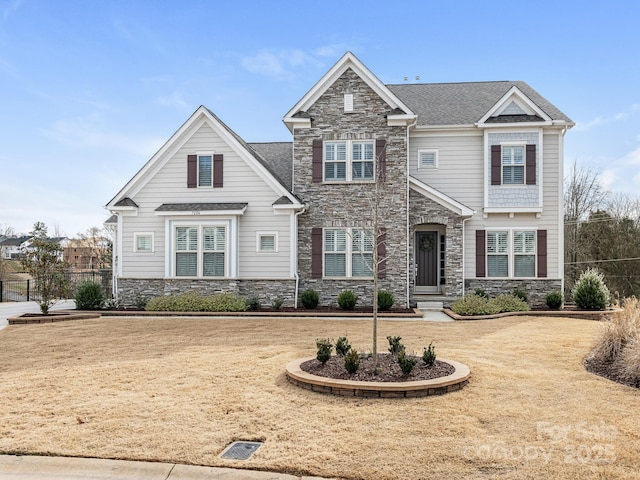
(181, 389)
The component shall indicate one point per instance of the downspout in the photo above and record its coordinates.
(464, 236)
(408, 232)
(295, 246)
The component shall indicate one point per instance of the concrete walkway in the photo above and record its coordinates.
(12, 309)
(16, 467)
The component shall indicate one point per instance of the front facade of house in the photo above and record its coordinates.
(445, 187)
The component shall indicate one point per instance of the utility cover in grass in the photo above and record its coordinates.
(240, 450)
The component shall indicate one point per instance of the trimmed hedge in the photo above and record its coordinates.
(480, 305)
(197, 302)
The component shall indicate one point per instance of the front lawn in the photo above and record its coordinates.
(181, 389)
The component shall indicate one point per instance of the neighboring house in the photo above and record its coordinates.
(63, 242)
(86, 254)
(469, 177)
(12, 248)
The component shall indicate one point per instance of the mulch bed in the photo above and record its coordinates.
(607, 371)
(388, 369)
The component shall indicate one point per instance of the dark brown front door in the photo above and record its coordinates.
(426, 261)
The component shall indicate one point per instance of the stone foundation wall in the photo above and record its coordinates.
(536, 288)
(135, 291)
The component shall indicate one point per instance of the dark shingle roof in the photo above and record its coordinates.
(111, 219)
(14, 241)
(463, 103)
(126, 202)
(199, 207)
(279, 157)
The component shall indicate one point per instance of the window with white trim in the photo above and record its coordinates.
(267, 242)
(348, 252)
(143, 242)
(511, 253)
(205, 170)
(513, 162)
(200, 251)
(349, 160)
(427, 158)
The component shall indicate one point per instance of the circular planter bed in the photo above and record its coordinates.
(349, 387)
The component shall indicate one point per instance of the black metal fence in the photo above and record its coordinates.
(24, 291)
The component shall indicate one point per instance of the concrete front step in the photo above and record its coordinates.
(430, 306)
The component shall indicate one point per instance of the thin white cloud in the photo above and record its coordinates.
(10, 8)
(600, 121)
(608, 178)
(280, 64)
(88, 133)
(632, 158)
(175, 100)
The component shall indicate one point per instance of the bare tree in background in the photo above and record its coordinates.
(583, 194)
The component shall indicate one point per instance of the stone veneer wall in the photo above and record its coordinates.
(535, 288)
(132, 290)
(425, 211)
(351, 204)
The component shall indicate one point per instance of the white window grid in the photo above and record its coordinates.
(349, 161)
(352, 246)
(512, 243)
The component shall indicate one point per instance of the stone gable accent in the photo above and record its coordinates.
(351, 204)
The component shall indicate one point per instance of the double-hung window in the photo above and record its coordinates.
(349, 160)
(513, 164)
(200, 251)
(498, 254)
(348, 252)
(511, 253)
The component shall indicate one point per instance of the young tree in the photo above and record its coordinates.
(43, 261)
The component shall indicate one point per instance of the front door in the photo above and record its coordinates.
(426, 262)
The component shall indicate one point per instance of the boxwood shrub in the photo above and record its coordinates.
(197, 302)
(89, 296)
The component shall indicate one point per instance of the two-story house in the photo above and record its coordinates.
(452, 187)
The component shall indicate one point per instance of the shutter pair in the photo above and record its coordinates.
(316, 160)
(192, 171)
(496, 165)
(481, 253)
(316, 253)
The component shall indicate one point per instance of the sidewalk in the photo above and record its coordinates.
(65, 468)
(12, 309)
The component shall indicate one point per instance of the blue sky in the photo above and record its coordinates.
(89, 90)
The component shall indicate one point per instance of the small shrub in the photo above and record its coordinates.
(325, 346)
(509, 303)
(342, 346)
(395, 347)
(429, 355)
(590, 292)
(554, 300)
(352, 361)
(253, 303)
(385, 300)
(89, 296)
(111, 304)
(347, 300)
(406, 362)
(141, 302)
(277, 302)
(309, 298)
(521, 294)
(481, 293)
(474, 305)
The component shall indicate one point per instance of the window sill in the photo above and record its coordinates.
(345, 182)
(348, 278)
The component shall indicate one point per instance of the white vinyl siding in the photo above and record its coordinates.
(241, 185)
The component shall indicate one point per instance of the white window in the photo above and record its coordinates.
(511, 253)
(200, 251)
(349, 160)
(497, 254)
(267, 242)
(513, 164)
(143, 242)
(348, 252)
(427, 158)
(205, 170)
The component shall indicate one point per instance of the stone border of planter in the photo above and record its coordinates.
(29, 318)
(350, 388)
